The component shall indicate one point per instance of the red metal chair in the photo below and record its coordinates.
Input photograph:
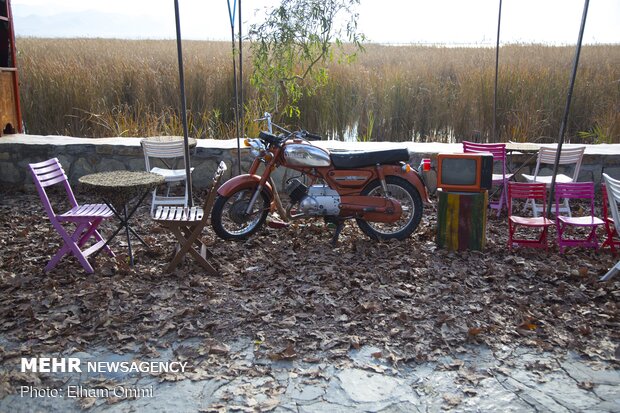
(613, 195)
(85, 217)
(526, 191)
(576, 190)
(498, 150)
(612, 240)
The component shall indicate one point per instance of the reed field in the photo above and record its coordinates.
(101, 87)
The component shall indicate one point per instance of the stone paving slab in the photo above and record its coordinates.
(476, 380)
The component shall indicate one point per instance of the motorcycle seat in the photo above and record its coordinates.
(351, 160)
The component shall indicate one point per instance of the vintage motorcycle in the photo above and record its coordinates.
(379, 189)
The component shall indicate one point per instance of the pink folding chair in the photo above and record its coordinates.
(612, 241)
(498, 150)
(576, 190)
(86, 218)
(526, 191)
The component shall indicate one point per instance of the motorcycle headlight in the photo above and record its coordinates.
(257, 148)
(255, 152)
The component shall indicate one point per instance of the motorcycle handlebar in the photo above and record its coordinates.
(278, 140)
(313, 137)
(270, 138)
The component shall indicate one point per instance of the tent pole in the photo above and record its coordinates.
(242, 125)
(231, 14)
(569, 97)
(188, 173)
(499, 21)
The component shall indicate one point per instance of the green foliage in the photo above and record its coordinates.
(370, 124)
(291, 48)
(596, 134)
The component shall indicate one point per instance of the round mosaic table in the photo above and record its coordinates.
(117, 189)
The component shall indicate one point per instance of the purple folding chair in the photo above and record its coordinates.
(498, 150)
(576, 190)
(85, 217)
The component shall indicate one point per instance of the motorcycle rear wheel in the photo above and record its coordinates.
(410, 201)
(229, 220)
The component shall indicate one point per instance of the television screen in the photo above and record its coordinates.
(458, 171)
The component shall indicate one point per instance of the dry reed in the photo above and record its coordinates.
(98, 87)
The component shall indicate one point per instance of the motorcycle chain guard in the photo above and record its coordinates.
(371, 208)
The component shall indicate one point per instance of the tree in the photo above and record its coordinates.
(291, 48)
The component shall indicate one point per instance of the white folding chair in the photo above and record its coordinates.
(613, 195)
(546, 156)
(169, 153)
(187, 225)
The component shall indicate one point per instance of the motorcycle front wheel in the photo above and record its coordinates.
(411, 204)
(229, 218)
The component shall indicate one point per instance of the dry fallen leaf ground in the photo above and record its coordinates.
(297, 297)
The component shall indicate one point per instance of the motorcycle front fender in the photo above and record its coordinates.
(245, 181)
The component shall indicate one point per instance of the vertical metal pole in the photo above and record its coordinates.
(188, 171)
(569, 97)
(231, 14)
(499, 21)
(242, 125)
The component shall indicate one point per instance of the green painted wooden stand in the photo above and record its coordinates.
(462, 220)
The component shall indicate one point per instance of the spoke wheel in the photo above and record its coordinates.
(229, 218)
(411, 204)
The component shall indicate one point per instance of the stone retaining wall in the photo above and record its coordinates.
(81, 156)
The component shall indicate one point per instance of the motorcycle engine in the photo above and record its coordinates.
(295, 190)
(316, 200)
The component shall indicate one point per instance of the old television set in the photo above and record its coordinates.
(464, 172)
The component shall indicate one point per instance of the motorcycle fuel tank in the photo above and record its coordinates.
(306, 155)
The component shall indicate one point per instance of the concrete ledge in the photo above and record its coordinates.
(81, 156)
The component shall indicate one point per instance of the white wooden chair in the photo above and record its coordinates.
(546, 156)
(169, 153)
(613, 195)
(187, 225)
